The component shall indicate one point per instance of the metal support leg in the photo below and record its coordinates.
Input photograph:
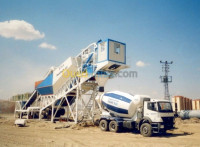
(77, 96)
(20, 115)
(67, 113)
(27, 114)
(58, 107)
(40, 114)
(94, 103)
(70, 108)
(52, 112)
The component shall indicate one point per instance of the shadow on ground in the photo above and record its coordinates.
(161, 135)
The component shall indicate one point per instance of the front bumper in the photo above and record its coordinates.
(167, 124)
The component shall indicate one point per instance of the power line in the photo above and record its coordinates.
(166, 79)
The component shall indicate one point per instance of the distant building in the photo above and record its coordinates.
(20, 97)
(182, 103)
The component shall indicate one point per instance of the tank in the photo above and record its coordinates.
(58, 76)
(122, 104)
(187, 114)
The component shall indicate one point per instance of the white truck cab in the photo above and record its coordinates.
(159, 114)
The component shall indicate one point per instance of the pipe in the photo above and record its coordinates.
(187, 114)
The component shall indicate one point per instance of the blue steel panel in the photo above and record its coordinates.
(47, 82)
(115, 109)
(45, 90)
(119, 97)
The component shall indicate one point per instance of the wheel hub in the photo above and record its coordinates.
(113, 126)
(145, 130)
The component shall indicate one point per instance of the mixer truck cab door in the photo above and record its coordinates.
(151, 111)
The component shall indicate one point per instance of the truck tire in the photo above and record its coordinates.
(146, 130)
(113, 126)
(103, 125)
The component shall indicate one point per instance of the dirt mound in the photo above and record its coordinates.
(82, 125)
(179, 121)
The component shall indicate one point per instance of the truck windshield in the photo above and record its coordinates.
(164, 107)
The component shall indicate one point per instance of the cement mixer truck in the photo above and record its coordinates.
(122, 110)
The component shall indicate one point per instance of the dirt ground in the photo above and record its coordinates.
(45, 133)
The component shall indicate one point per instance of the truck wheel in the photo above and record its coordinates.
(113, 127)
(146, 130)
(103, 125)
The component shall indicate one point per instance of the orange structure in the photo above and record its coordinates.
(181, 103)
(196, 104)
(37, 83)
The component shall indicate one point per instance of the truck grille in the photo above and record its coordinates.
(168, 122)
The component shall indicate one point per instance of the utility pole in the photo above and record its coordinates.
(166, 79)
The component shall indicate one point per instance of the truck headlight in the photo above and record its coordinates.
(162, 126)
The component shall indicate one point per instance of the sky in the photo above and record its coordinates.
(38, 34)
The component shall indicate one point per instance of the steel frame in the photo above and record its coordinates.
(80, 86)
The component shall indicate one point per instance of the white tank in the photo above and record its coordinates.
(121, 104)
